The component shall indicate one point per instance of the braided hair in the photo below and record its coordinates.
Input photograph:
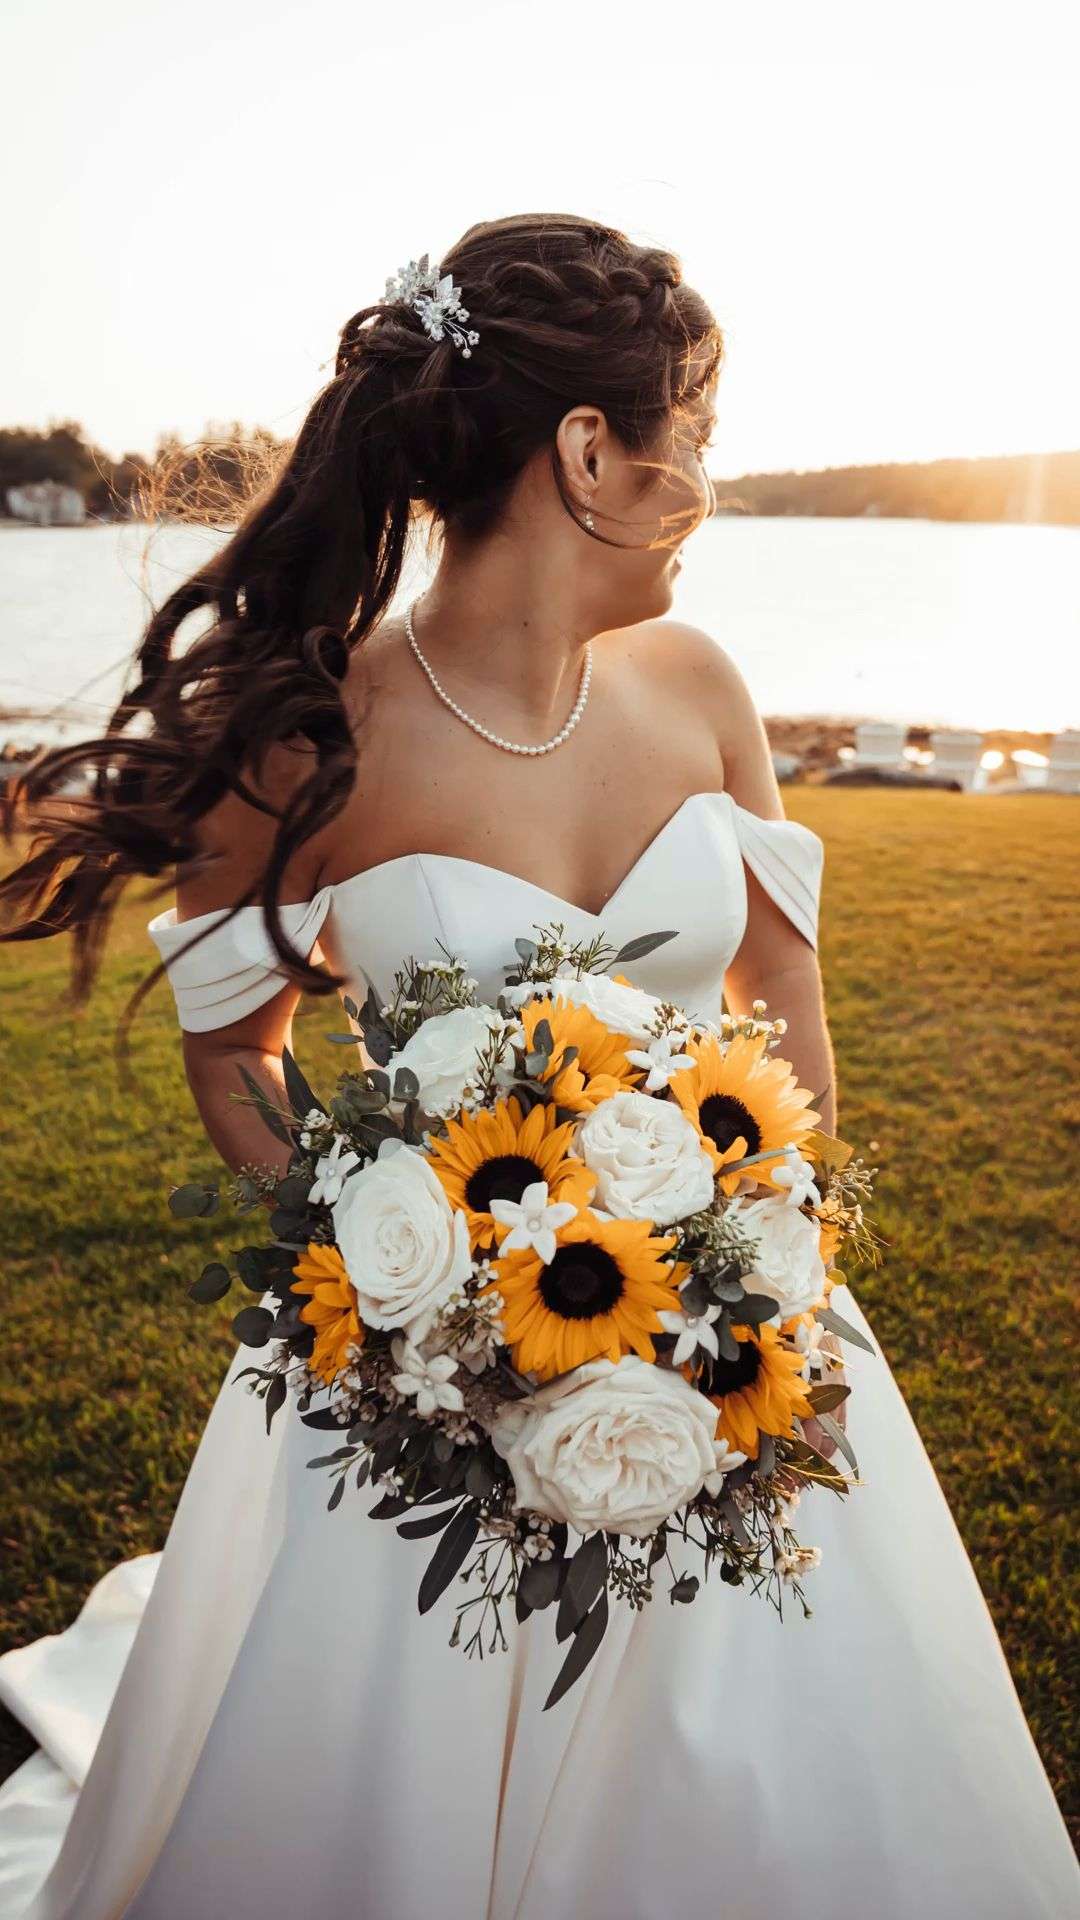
(407, 431)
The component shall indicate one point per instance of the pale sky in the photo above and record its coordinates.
(878, 202)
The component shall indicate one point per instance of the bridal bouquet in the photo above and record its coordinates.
(555, 1275)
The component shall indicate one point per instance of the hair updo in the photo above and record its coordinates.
(568, 311)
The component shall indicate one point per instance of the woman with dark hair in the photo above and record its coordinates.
(274, 1729)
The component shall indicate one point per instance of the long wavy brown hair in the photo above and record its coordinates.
(408, 430)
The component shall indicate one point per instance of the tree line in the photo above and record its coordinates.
(204, 479)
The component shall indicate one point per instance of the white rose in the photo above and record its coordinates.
(623, 1009)
(405, 1248)
(611, 1447)
(442, 1054)
(788, 1265)
(648, 1159)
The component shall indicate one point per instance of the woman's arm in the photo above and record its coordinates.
(239, 838)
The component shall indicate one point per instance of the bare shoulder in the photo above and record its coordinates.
(702, 675)
(236, 836)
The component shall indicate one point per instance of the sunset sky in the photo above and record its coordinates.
(878, 203)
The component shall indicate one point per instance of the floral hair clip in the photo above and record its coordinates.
(437, 301)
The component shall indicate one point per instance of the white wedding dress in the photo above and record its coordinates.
(258, 1724)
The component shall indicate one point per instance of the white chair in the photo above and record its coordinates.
(880, 743)
(1030, 767)
(1063, 766)
(958, 756)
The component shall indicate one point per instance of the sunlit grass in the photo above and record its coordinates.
(948, 948)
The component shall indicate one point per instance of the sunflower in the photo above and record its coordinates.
(601, 1296)
(601, 1067)
(742, 1103)
(493, 1154)
(760, 1392)
(331, 1310)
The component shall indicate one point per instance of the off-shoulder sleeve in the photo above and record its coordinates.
(788, 859)
(236, 969)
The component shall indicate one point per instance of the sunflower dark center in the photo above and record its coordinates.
(723, 1119)
(727, 1376)
(504, 1177)
(582, 1280)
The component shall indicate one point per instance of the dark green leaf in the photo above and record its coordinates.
(344, 1039)
(539, 1583)
(766, 1458)
(752, 1309)
(836, 1434)
(324, 1420)
(252, 1266)
(335, 1497)
(213, 1283)
(350, 1007)
(543, 1038)
(729, 1346)
(586, 1640)
(390, 1506)
(685, 1589)
(268, 1111)
(301, 1098)
(406, 1084)
(427, 1523)
(831, 1319)
(479, 1478)
(292, 1192)
(587, 1575)
(275, 1397)
(252, 1325)
(449, 1556)
(526, 951)
(645, 943)
(332, 1459)
(830, 1394)
(193, 1202)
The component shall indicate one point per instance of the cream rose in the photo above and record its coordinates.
(610, 1447)
(624, 1009)
(442, 1054)
(788, 1265)
(405, 1248)
(648, 1159)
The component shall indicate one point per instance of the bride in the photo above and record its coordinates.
(258, 1722)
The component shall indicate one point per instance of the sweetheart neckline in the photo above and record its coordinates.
(503, 873)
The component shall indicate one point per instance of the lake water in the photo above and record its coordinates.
(921, 621)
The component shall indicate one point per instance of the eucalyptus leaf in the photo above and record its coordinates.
(754, 1308)
(213, 1283)
(449, 1557)
(252, 1325)
(267, 1111)
(643, 944)
(406, 1084)
(587, 1638)
(685, 1589)
(427, 1523)
(275, 1397)
(539, 1583)
(729, 1346)
(193, 1202)
(830, 1425)
(335, 1497)
(830, 1394)
(829, 1318)
(300, 1095)
(325, 1420)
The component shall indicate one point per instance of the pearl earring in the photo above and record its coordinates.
(590, 522)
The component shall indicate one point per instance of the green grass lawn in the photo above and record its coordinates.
(948, 948)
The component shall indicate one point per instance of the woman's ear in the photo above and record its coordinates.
(581, 438)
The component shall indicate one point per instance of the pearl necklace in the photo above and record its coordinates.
(508, 746)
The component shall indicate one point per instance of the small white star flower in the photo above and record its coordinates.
(659, 1060)
(532, 1220)
(694, 1330)
(431, 1380)
(331, 1171)
(797, 1176)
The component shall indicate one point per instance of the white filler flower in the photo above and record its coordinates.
(612, 1447)
(661, 1059)
(431, 1380)
(331, 1172)
(532, 1220)
(796, 1176)
(443, 1054)
(648, 1159)
(788, 1265)
(405, 1248)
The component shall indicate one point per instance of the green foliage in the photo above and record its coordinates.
(948, 936)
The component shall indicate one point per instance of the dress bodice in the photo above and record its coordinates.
(690, 879)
